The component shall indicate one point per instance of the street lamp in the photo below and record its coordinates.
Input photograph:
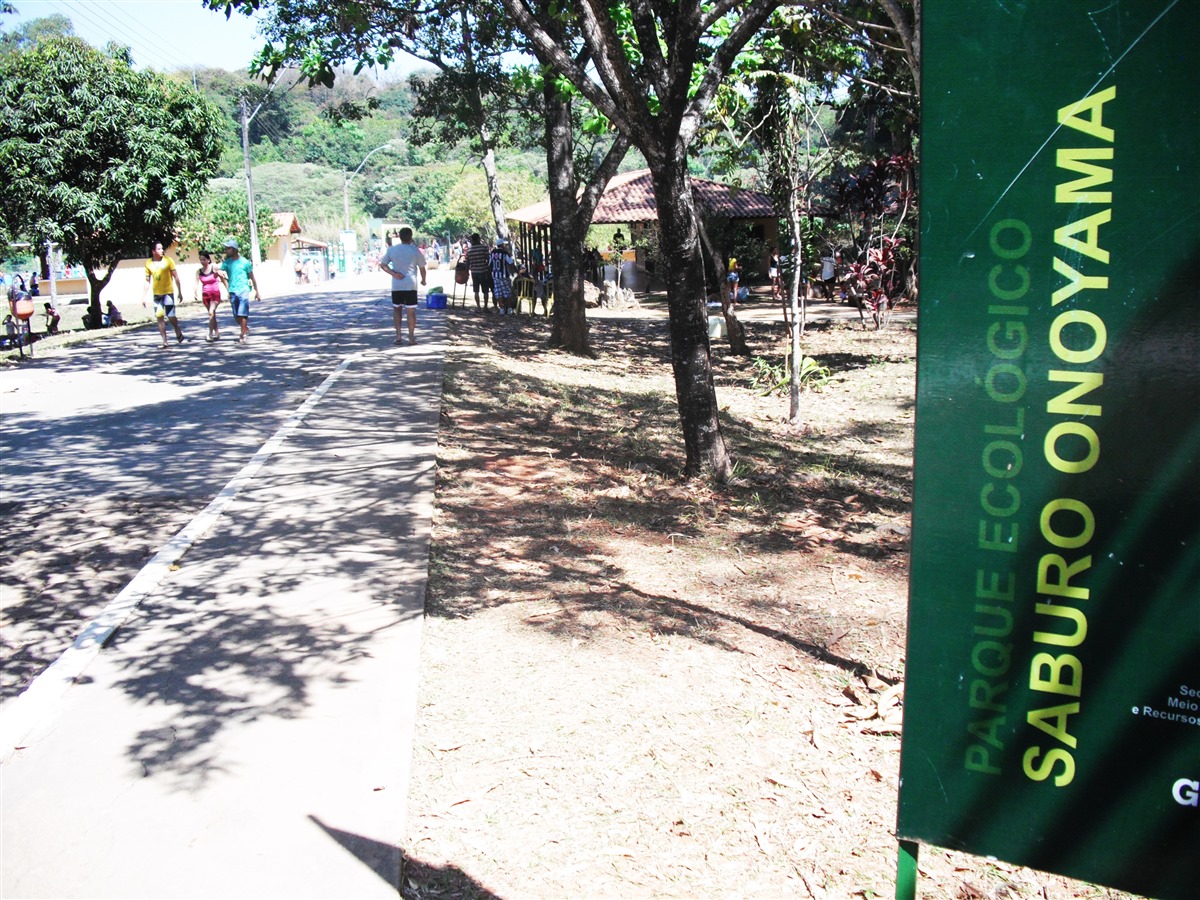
(346, 179)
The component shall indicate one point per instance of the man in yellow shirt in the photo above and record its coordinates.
(160, 272)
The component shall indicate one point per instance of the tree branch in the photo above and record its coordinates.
(611, 62)
(888, 90)
(550, 53)
(644, 25)
(754, 15)
(594, 189)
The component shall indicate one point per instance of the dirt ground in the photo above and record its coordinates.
(636, 686)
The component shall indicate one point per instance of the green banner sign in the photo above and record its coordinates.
(1052, 704)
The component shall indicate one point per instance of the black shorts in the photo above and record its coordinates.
(404, 298)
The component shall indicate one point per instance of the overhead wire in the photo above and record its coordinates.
(165, 53)
(142, 53)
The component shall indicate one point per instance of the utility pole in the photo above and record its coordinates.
(255, 257)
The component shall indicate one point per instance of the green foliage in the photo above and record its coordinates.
(812, 375)
(280, 112)
(773, 378)
(414, 194)
(469, 107)
(339, 146)
(223, 214)
(467, 208)
(100, 158)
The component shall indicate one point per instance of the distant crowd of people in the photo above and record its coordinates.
(308, 270)
(492, 270)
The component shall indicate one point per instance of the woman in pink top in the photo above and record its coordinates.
(208, 286)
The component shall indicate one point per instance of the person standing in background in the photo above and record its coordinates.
(774, 274)
(501, 262)
(479, 260)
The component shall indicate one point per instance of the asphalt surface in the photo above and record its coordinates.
(238, 721)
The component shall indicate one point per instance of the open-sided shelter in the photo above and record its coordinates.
(629, 200)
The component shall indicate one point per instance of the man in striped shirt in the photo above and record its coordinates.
(479, 262)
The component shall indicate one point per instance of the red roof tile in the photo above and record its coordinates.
(629, 198)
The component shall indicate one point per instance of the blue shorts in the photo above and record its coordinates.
(164, 305)
(239, 304)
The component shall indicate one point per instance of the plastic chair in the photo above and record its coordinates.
(525, 290)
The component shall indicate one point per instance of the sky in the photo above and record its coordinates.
(163, 34)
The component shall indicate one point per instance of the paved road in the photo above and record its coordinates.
(247, 730)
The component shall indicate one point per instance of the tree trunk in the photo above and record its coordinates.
(796, 323)
(493, 185)
(570, 328)
(488, 161)
(690, 361)
(95, 286)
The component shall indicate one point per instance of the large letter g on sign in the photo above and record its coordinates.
(1186, 792)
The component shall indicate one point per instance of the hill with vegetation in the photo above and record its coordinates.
(304, 142)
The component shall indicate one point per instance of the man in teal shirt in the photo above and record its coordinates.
(240, 272)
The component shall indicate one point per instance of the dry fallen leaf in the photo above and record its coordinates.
(878, 685)
(764, 844)
(856, 695)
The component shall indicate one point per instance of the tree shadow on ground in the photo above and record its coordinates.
(96, 480)
(302, 579)
(307, 574)
(425, 881)
(577, 460)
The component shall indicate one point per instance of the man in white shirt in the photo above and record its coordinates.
(402, 261)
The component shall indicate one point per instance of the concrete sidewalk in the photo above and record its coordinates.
(247, 732)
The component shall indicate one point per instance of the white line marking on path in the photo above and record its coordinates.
(19, 716)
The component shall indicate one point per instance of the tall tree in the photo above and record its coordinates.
(653, 70)
(783, 108)
(572, 206)
(99, 158)
(576, 184)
